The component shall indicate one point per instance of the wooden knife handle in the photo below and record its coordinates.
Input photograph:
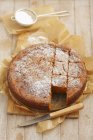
(67, 110)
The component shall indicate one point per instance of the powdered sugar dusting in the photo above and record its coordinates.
(41, 88)
(43, 51)
(74, 82)
(74, 57)
(61, 55)
(59, 80)
(35, 74)
(75, 69)
(60, 68)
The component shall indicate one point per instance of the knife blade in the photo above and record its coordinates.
(34, 121)
(52, 115)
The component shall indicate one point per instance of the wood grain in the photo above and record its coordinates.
(91, 23)
(3, 117)
(14, 133)
(5, 7)
(68, 5)
(82, 10)
(82, 22)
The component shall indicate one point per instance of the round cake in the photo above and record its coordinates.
(41, 70)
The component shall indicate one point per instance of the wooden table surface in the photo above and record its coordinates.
(79, 22)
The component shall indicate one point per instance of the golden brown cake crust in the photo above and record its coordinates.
(75, 88)
(40, 69)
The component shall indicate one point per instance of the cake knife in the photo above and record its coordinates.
(52, 115)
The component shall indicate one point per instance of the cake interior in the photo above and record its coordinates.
(58, 101)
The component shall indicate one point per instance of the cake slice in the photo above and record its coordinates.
(62, 54)
(74, 57)
(59, 84)
(75, 88)
(60, 68)
(77, 70)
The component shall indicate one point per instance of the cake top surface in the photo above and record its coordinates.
(74, 82)
(74, 57)
(62, 55)
(31, 69)
(77, 69)
(59, 80)
(60, 68)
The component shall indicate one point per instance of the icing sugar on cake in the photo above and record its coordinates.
(59, 80)
(61, 55)
(60, 68)
(76, 70)
(45, 52)
(59, 84)
(74, 57)
(34, 75)
(41, 88)
(74, 82)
